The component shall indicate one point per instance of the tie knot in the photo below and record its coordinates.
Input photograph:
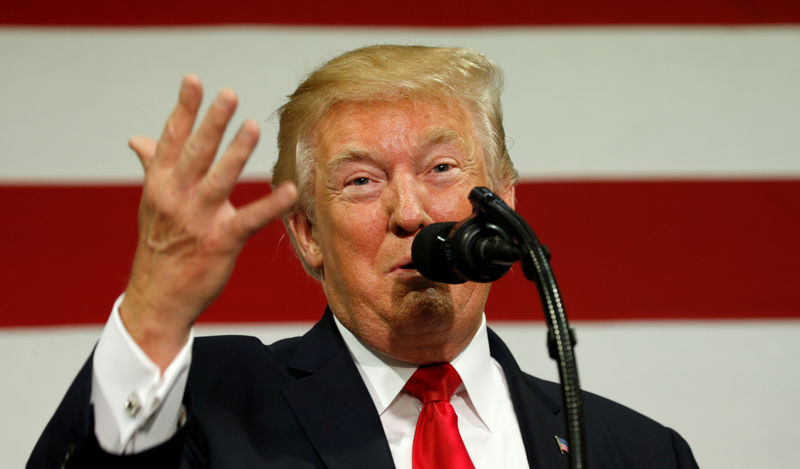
(433, 383)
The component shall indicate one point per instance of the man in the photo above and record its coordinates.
(375, 145)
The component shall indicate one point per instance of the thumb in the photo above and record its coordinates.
(145, 148)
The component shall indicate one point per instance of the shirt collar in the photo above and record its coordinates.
(385, 376)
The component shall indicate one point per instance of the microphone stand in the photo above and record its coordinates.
(536, 267)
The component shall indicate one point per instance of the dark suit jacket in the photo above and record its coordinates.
(301, 403)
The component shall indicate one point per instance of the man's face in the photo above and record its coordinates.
(383, 171)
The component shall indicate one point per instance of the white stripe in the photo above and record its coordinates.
(580, 102)
(730, 388)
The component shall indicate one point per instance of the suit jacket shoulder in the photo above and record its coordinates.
(298, 403)
(616, 436)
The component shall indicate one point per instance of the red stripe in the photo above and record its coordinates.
(392, 13)
(621, 250)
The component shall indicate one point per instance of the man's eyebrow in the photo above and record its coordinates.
(347, 156)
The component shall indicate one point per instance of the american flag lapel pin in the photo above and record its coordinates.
(562, 445)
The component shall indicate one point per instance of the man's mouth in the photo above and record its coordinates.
(409, 266)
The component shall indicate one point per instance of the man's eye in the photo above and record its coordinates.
(361, 181)
(440, 168)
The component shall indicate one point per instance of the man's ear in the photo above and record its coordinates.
(303, 231)
(509, 195)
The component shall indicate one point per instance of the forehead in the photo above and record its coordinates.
(392, 127)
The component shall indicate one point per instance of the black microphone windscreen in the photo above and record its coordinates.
(429, 256)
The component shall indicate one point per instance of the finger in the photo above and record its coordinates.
(220, 180)
(255, 215)
(201, 147)
(145, 148)
(180, 122)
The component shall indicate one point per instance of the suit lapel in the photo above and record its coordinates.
(540, 418)
(332, 404)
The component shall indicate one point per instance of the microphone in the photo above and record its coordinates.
(474, 249)
(482, 249)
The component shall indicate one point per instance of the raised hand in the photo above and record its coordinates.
(189, 232)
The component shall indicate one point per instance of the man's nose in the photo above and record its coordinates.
(408, 208)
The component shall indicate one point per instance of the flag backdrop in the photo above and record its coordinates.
(658, 146)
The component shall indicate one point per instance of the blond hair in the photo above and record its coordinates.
(387, 73)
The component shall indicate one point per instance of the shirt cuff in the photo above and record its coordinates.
(135, 406)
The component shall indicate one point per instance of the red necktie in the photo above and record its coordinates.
(437, 443)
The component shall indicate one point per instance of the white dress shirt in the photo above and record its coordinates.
(486, 418)
(136, 407)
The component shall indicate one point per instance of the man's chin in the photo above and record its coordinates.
(428, 305)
